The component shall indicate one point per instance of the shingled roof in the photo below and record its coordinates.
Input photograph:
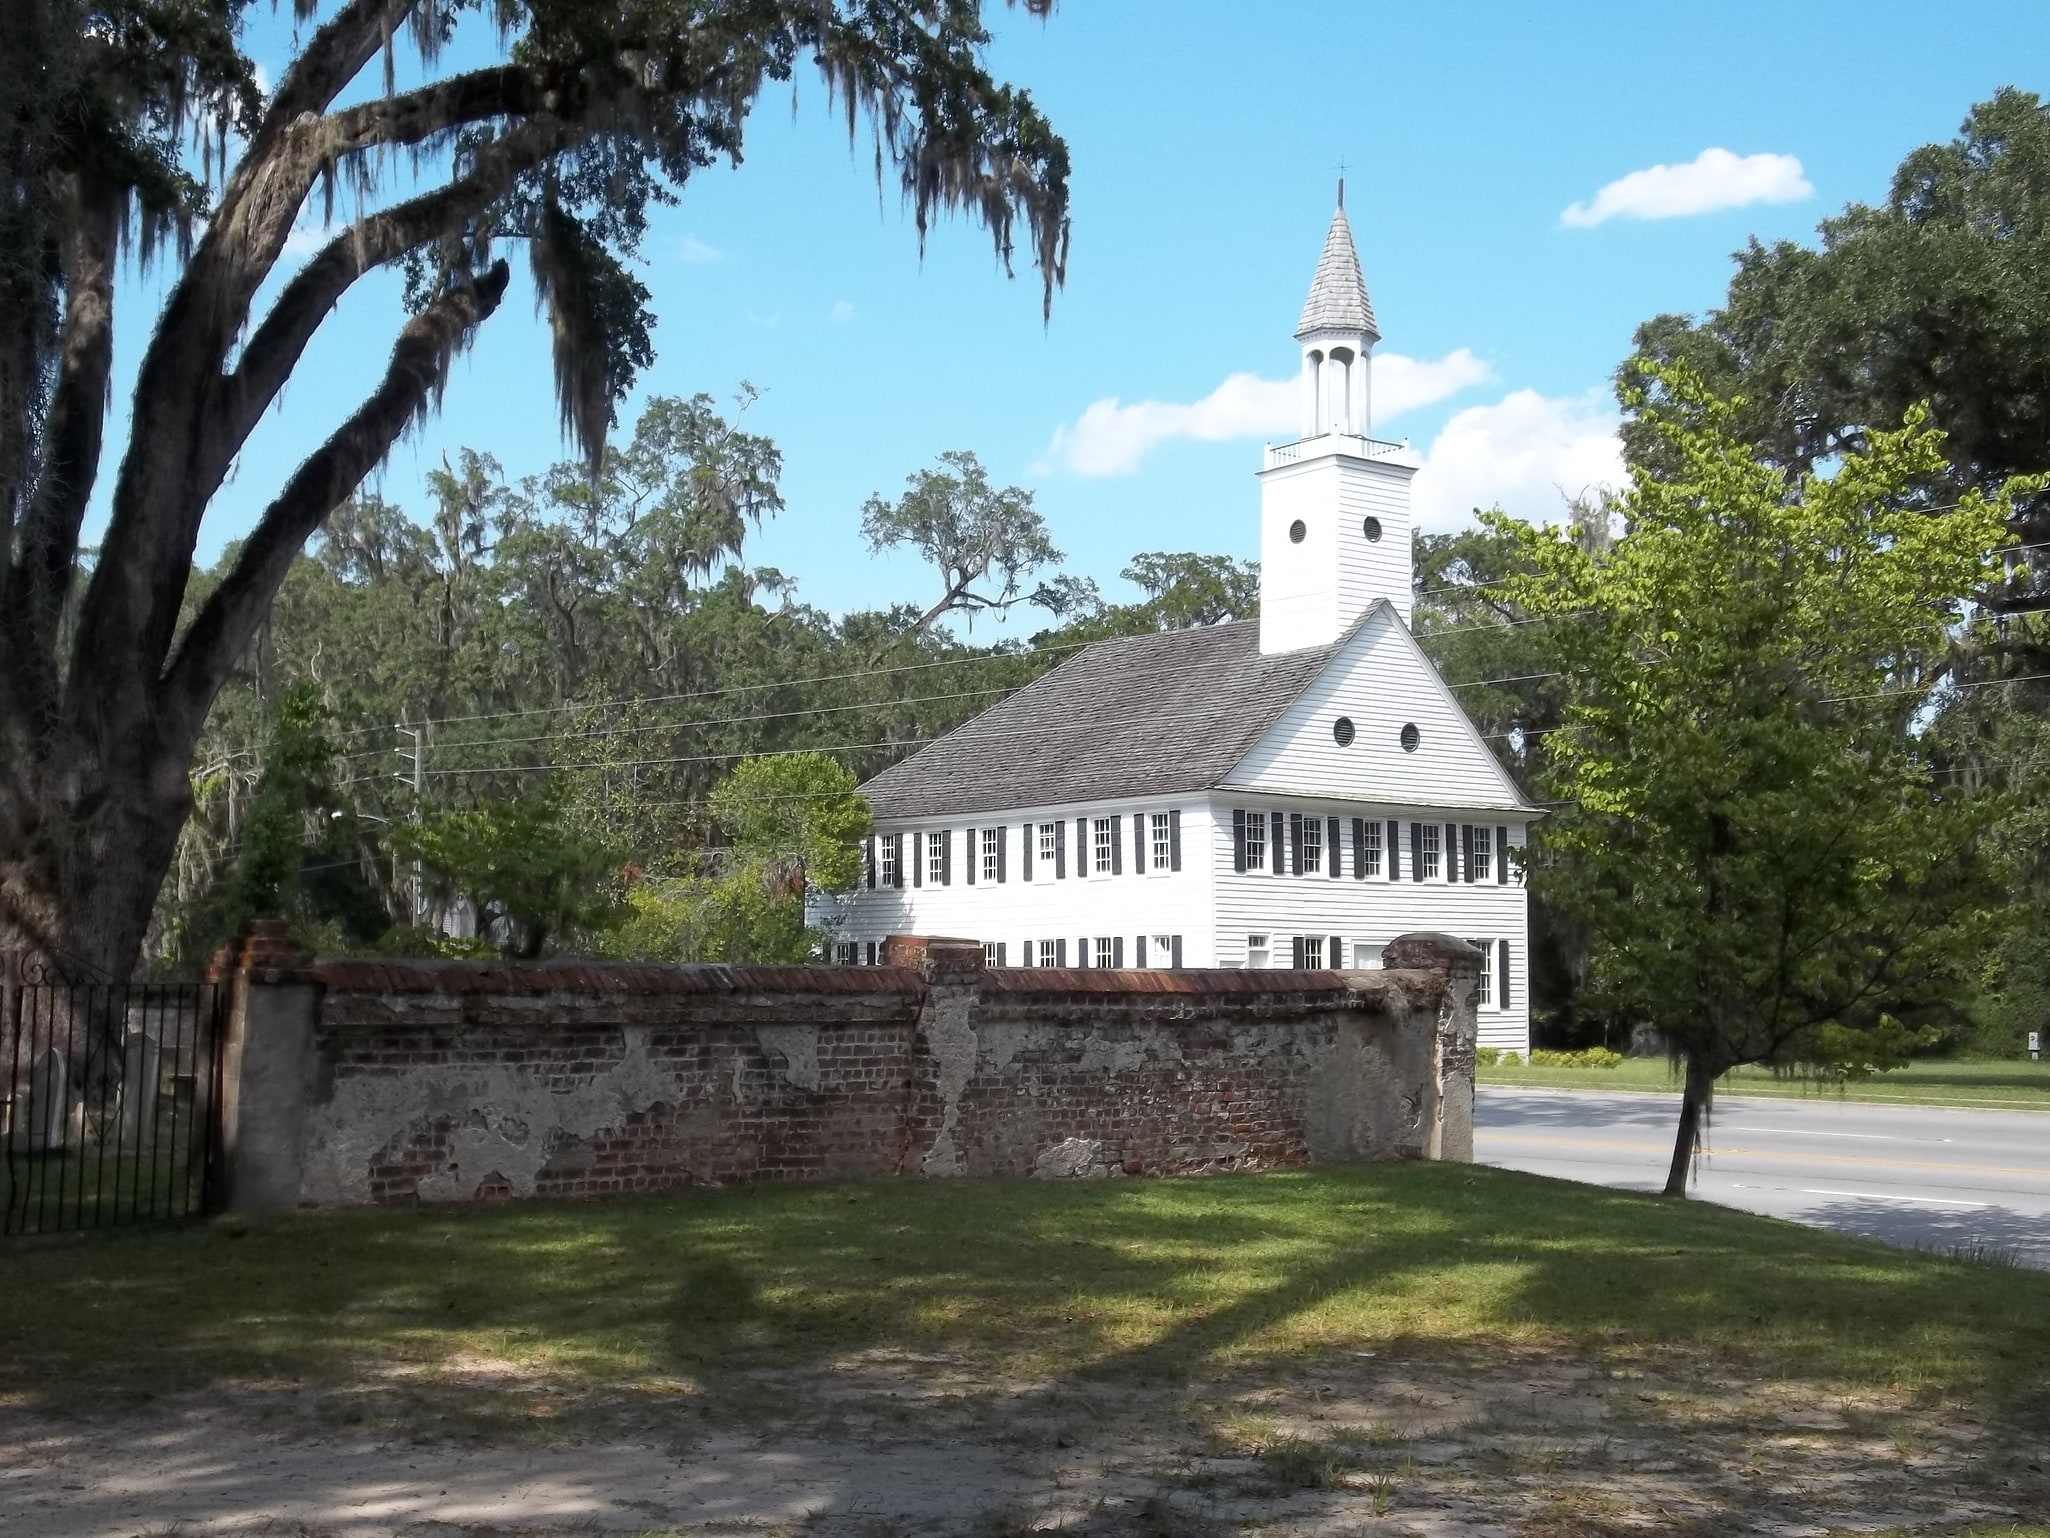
(1139, 716)
(1338, 294)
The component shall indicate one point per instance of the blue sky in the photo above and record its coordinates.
(1206, 139)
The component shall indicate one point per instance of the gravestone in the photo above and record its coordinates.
(141, 1066)
(49, 1102)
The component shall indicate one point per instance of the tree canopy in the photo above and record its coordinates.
(1772, 868)
(146, 127)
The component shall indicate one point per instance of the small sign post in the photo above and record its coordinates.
(2035, 1046)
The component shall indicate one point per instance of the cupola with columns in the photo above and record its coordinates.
(1334, 505)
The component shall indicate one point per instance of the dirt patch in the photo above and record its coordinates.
(885, 1443)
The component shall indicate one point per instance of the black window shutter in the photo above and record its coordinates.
(897, 876)
(1060, 953)
(1451, 851)
(1174, 840)
(1117, 846)
(1085, 850)
(1466, 848)
(1295, 843)
(1238, 839)
(1277, 841)
(1359, 849)
(1335, 957)
(971, 857)
(1003, 850)
(1331, 850)
(871, 953)
(1416, 851)
(1394, 850)
(917, 860)
(1174, 951)
(1502, 859)
(1117, 951)
(1502, 993)
(1025, 854)
(1139, 952)
(871, 847)
(1087, 958)
(1297, 960)
(1025, 954)
(1138, 843)
(1060, 854)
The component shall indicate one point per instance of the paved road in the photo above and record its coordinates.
(1910, 1175)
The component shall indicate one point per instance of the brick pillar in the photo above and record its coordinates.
(953, 972)
(268, 1066)
(1450, 1132)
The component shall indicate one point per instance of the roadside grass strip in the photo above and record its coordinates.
(2005, 1085)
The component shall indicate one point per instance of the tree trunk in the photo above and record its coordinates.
(1695, 1098)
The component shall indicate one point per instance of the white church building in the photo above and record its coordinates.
(1291, 791)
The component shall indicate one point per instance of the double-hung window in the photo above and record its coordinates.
(886, 861)
(1430, 848)
(1104, 843)
(993, 953)
(936, 856)
(1044, 866)
(845, 952)
(1309, 953)
(1106, 955)
(1046, 954)
(992, 847)
(1256, 953)
(1256, 841)
(1483, 854)
(1485, 994)
(1162, 849)
(1313, 845)
(1370, 847)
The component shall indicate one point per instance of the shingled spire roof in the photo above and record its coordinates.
(1338, 295)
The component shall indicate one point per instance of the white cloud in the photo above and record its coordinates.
(306, 238)
(1714, 179)
(1527, 454)
(1112, 438)
(699, 253)
(841, 313)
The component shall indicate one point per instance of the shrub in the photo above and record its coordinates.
(1487, 1057)
(1589, 1057)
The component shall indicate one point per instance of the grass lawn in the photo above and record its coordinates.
(1021, 1280)
(1289, 1353)
(2004, 1085)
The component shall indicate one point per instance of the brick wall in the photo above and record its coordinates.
(450, 1081)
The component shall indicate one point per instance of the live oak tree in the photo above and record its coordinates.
(1770, 867)
(147, 124)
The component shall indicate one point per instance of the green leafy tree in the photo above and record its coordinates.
(295, 789)
(533, 878)
(145, 121)
(1770, 868)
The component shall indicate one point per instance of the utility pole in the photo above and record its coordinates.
(418, 779)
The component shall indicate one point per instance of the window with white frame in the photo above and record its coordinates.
(1257, 952)
(993, 953)
(1365, 956)
(1105, 841)
(1485, 994)
(992, 848)
(1370, 847)
(1483, 854)
(1045, 870)
(1309, 953)
(1161, 951)
(1163, 851)
(886, 863)
(1105, 951)
(1046, 953)
(1430, 847)
(936, 856)
(1256, 841)
(1313, 845)
(845, 953)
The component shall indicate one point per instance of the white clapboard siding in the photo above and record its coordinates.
(1073, 907)
(1376, 910)
(1381, 682)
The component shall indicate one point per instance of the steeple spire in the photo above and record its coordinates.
(1338, 294)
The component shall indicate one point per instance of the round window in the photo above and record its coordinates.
(1371, 527)
(1341, 731)
(1297, 532)
(1410, 737)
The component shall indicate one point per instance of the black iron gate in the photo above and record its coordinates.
(109, 1101)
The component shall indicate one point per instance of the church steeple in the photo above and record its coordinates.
(1337, 332)
(1334, 505)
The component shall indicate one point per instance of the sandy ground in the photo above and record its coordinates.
(882, 1447)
